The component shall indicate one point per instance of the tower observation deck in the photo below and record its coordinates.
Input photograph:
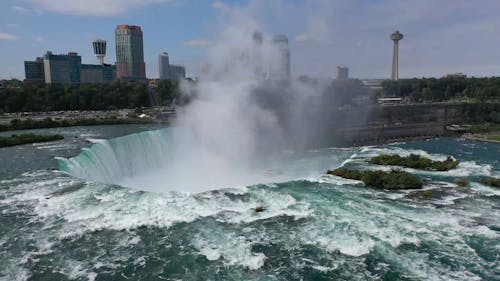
(99, 50)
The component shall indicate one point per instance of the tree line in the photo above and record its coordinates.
(31, 97)
(444, 89)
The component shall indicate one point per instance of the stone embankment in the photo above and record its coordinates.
(391, 123)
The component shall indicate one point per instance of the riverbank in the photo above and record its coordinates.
(27, 138)
(493, 137)
(70, 118)
(17, 124)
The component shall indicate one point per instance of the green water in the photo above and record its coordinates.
(54, 226)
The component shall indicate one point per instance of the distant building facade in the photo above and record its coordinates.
(130, 53)
(34, 71)
(170, 71)
(62, 69)
(164, 63)
(177, 72)
(282, 70)
(455, 75)
(342, 73)
(96, 73)
(67, 69)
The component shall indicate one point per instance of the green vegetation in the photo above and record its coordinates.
(459, 89)
(427, 194)
(27, 138)
(380, 179)
(415, 161)
(479, 97)
(462, 182)
(484, 127)
(32, 97)
(490, 181)
(495, 138)
(18, 124)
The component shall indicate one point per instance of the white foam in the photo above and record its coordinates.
(101, 141)
(370, 152)
(485, 190)
(335, 180)
(235, 250)
(348, 223)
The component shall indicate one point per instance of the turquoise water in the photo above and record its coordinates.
(83, 224)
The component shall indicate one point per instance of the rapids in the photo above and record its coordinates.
(91, 221)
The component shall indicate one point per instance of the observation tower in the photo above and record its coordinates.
(99, 50)
(396, 36)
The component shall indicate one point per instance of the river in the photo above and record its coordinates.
(94, 214)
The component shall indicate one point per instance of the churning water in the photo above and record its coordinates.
(116, 212)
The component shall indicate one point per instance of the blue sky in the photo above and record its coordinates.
(441, 36)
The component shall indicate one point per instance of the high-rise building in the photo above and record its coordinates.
(282, 70)
(99, 47)
(170, 71)
(34, 70)
(342, 73)
(62, 69)
(130, 53)
(396, 36)
(164, 64)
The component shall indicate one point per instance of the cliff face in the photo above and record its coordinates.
(395, 122)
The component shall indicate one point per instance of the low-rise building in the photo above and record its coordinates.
(176, 72)
(97, 73)
(67, 69)
(169, 71)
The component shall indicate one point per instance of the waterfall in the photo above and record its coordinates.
(120, 160)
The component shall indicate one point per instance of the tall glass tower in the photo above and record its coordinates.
(129, 53)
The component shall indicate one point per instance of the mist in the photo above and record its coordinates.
(245, 118)
(245, 122)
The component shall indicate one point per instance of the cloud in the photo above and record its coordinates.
(197, 43)
(7, 36)
(12, 25)
(91, 7)
(220, 6)
(20, 9)
(39, 39)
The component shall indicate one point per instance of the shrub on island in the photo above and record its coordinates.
(490, 181)
(27, 138)
(380, 179)
(415, 161)
(463, 182)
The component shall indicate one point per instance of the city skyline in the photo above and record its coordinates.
(352, 34)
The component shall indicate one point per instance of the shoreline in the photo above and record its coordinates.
(480, 137)
(31, 124)
(15, 140)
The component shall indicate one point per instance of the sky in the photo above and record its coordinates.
(440, 36)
